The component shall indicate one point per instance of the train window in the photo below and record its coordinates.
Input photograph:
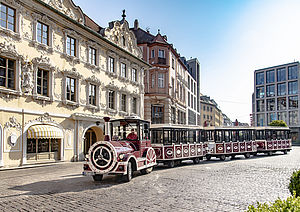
(191, 136)
(234, 136)
(218, 136)
(156, 136)
(241, 136)
(260, 134)
(199, 136)
(227, 136)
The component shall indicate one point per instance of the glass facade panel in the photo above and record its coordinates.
(260, 106)
(270, 76)
(270, 90)
(260, 78)
(270, 104)
(271, 117)
(293, 118)
(260, 92)
(293, 87)
(282, 116)
(260, 119)
(281, 74)
(281, 103)
(281, 89)
(293, 102)
(292, 72)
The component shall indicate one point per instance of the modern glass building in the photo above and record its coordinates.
(276, 95)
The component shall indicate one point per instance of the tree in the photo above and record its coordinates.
(278, 123)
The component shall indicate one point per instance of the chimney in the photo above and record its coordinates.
(136, 24)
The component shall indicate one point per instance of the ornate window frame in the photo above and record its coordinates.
(43, 63)
(72, 59)
(44, 20)
(128, 67)
(95, 81)
(74, 74)
(9, 51)
(137, 80)
(112, 87)
(138, 109)
(127, 106)
(19, 9)
(90, 44)
(108, 72)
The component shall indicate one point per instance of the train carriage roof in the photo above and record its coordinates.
(175, 126)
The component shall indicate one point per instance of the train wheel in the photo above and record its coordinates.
(222, 157)
(97, 177)
(147, 171)
(270, 153)
(178, 163)
(171, 164)
(247, 155)
(208, 157)
(196, 160)
(128, 176)
(285, 151)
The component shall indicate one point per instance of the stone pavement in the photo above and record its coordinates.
(209, 186)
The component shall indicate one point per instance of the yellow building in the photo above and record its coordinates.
(60, 74)
(211, 115)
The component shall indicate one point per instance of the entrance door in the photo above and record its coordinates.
(89, 139)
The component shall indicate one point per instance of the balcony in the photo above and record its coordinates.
(161, 61)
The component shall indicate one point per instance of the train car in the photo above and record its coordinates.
(126, 148)
(172, 143)
(272, 139)
(222, 142)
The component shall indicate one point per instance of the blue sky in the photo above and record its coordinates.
(230, 38)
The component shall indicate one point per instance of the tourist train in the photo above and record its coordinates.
(131, 144)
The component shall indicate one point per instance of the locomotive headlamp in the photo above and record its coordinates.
(121, 156)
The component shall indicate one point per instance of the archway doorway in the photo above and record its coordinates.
(91, 136)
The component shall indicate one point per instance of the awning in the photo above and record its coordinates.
(44, 131)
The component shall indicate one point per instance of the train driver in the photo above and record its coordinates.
(132, 136)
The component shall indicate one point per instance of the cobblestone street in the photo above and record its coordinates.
(209, 186)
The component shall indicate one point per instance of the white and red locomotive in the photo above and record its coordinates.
(128, 150)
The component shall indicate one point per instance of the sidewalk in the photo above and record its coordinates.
(27, 166)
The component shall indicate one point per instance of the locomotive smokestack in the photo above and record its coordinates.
(106, 136)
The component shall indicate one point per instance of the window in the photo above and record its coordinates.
(161, 53)
(123, 41)
(123, 102)
(270, 104)
(293, 102)
(8, 17)
(293, 117)
(173, 87)
(203, 108)
(111, 64)
(271, 117)
(270, 75)
(161, 83)
(42, 33)
(260, 106)
(270, 90)
(92, 94)
(260, 92)
(173, 63)
(152, 80)
(152, 53)
(292, 72)
(281, 89)
(123, 70)
(281, 74)
(260, 78)
(134, 105)
(203, 116)
(189, 99)
(133, 75)
(293, 87)
(71, 46)
(70, 88)
(111, 99)
(173, 117)
(260, 120)
(92, 56)
(281, 103)
(282, 116)
(7, 73)
(42, 85)
(157, 114)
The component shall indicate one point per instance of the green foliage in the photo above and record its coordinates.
(294, 185)
(292, 204)
(278, 123)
